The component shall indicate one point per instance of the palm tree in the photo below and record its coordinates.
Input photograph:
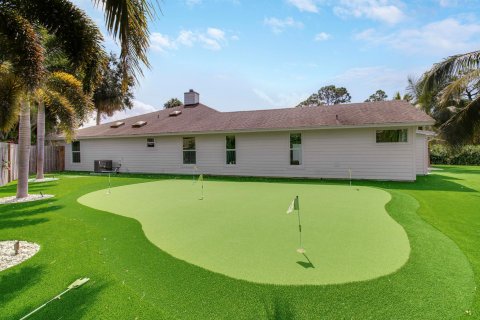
(127, 21)
(455, 85)
(21, 47)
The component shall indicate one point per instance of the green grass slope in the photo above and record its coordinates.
(133, 279)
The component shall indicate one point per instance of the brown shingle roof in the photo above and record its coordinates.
(202, 119)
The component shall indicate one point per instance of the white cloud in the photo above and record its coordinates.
(279, 25)
(304, 5)
(322, 36)
(216, 33)
(211, 38)
(381, 10)
(443, 37)
(209, 43)
(186, 38)
(160, 42)
(235, 37)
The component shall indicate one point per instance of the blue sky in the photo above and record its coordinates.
(243, 55)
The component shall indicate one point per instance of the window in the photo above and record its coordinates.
(392, 135)
(231, 151)
(76, 151)
(189, 152)
(295, 149)
(150, 142)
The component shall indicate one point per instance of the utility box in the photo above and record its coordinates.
(103, 166)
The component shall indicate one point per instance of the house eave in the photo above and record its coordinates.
(379, 125)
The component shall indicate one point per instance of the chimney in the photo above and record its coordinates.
(191, 98)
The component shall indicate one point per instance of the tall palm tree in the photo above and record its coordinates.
(20, 45)
(455, 83)
(127, 21)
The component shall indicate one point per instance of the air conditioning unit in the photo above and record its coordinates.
(103, 166)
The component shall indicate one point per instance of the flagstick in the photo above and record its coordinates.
(202, 189)
(109, 185)
(300, 249)
(299, 228)
(350, 174)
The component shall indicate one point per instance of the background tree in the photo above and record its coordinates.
(172, 103)
(110, 95)
(406, 96)
(328, 95)
(379, 95)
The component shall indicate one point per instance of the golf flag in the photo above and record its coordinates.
(200, 178)
(293, 206)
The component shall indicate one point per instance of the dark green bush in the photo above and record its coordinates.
(466, 155)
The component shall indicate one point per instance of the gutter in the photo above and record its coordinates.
(186, 133)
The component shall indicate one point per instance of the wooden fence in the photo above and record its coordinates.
(54, 160)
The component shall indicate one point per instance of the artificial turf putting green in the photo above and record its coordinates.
(241, 229)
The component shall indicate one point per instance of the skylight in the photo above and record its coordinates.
(117, 124)
(139, 124)
(174, 113)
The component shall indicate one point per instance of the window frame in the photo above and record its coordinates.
(291, 149)
(234, 150)
(76, 152)
(151, 142)
(192, 151)
(391, 142)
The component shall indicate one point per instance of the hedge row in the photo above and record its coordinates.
(466, 155)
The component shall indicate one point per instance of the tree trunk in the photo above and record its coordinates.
(99, 115)
(40, 138)
(24, 141)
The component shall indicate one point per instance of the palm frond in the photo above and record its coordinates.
(461, 127)
(450, 67)
(10, 93)
(70, 88)
(127, 21)
(457, 87)
(59, 109)
(77, 34)
(21, 46)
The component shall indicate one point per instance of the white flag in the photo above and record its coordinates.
(291, 207)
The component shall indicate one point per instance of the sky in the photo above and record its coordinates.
(245, 55)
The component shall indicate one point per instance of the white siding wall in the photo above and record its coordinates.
(421, 154)
(326, 154)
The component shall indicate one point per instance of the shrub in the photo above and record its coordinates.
(466, 155)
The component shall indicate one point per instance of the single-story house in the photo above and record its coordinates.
(372, 140)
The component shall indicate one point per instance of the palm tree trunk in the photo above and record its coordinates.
(23, 148)
(40, 138)
(98, 117)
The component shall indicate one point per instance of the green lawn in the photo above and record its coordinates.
(132, 278)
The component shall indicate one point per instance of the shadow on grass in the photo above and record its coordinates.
(14, 281)
(72, 305)
(20, 214)
(306, 264)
